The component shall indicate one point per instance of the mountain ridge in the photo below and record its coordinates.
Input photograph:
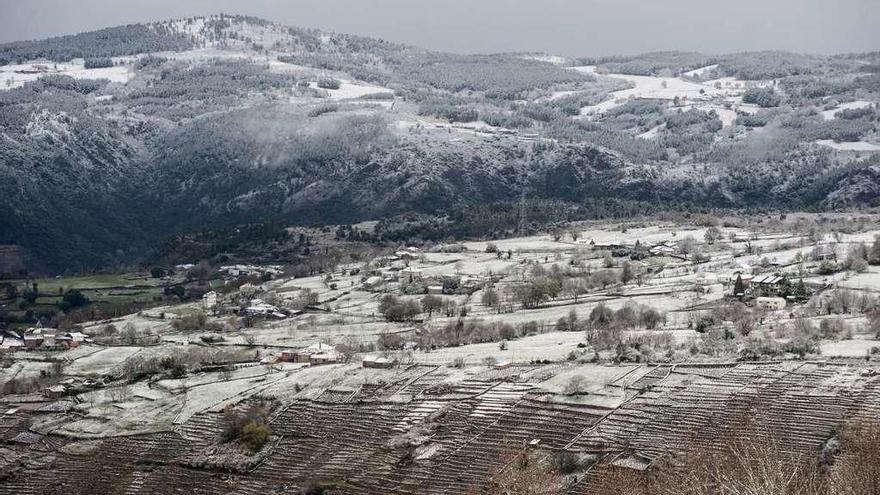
(244, 120)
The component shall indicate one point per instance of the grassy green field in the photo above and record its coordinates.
(106, 292)
(129, 280)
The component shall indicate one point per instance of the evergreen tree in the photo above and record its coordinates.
(799, 291)
(874, 254)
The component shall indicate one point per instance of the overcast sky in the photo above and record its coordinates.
(564, 27)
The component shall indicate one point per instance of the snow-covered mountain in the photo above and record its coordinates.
(110, 141)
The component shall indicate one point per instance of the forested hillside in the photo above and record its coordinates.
(112, 141)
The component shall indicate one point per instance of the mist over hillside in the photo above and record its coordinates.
(113, 141)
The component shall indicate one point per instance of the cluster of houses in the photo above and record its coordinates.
(39, 338)
(393, 268)
(770, 291)
(258, 308)
(321, 353)
(235, 271)
(255, 307)
(314, 354)
(664, 248)
(396, 269)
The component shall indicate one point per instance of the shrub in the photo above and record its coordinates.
(576, 385)
(566, 462)
(650, 318)
(190, 323)
(322, 109)
(703, 324)
(329, 83)
(763, 97)
(254, 435)
(248, 426)
(827, 267)
(601, 316)
(801, 346)
(389, 341)
(98, 63)
(397, 310)
(832, 328)
(73, 299)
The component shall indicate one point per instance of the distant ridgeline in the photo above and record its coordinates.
(109, 42)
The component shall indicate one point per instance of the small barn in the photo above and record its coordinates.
(770, 303)
(383, 362)
(304, 355)
(328, 357)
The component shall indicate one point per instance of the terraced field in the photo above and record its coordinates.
(430, 432)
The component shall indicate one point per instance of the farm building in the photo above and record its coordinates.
(373, 282)
(260, 308)
(768, 285)
(11, 343)
(55, 391)
(209, 301)
(406, 254)
(665, 248)
(379, 362)
(304, 355)
(410, 274)
(824, 253)
(770, 303)
(327, 357)
(33, 341)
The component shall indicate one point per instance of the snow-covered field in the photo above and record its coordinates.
(553, 59)
(16, 75)
(554, 346)
(663, 88)
(699, 95)
(869, 280)
(853, 105)
(102, 362)
(352, 89)
(850, 145)
(849, 348)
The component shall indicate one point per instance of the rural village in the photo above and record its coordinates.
(243, 257)
(629, 332)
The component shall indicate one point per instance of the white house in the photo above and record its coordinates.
(209, 301)
(374, 282)
(770, 303)
(260, 308)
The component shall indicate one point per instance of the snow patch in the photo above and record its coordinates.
(699, 72)
(849, 146)
(350, 90)
(16, 75)
(853, 105)
(650, 87)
